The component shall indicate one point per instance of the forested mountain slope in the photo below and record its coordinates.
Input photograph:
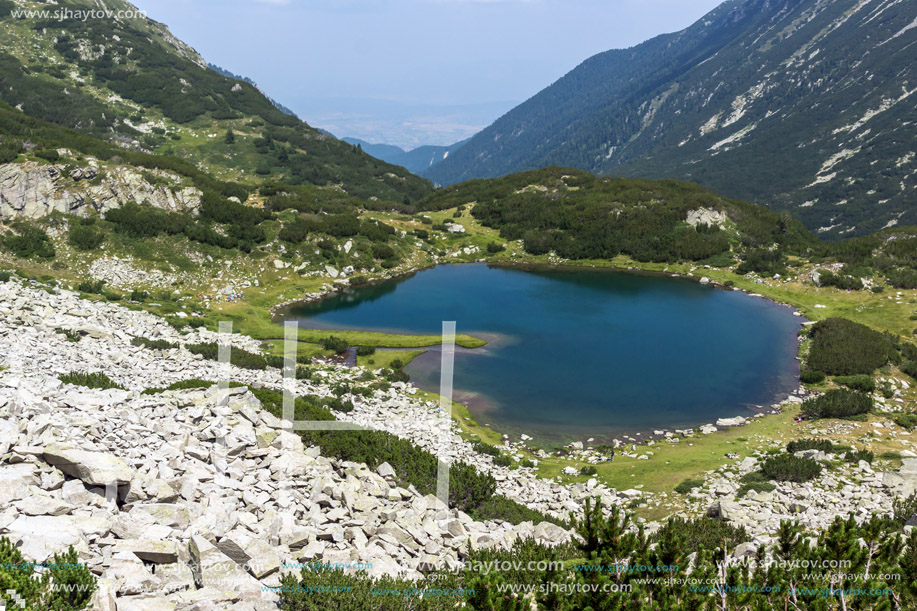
(800, 105)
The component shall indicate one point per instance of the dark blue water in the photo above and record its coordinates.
(584, 353)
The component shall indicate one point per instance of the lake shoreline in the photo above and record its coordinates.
(639, 435)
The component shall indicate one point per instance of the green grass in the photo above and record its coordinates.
(388, 340)
(671, 463)
(255, 321)
(384, 358)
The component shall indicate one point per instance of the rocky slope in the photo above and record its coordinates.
(198, 499)
(184, 497)
(804, 105)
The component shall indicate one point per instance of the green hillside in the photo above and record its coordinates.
(574, 215)
(129, 81)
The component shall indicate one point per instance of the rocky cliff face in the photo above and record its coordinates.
(33, 190)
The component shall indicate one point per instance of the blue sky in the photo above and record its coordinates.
(411, 72)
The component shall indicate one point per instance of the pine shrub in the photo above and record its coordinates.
(686, 486)
(837, 403)
(64, 584)
(89, 380)
(153, 344)
(702, 533)
(811, 377)
(799, 445)
(335, 344)
(860, 382)
(237, 356)
(790, 468)
(843, 347)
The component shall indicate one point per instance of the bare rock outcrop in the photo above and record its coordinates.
(33, 190)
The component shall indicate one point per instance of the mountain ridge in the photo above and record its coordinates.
(793, 84)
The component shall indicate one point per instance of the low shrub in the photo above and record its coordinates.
(842, 281)
(153, 344)
(886, 389)
(837, 403)
(318, 586)
(335, 344)
(688, 485)
(85, 237)
(72, 336)
(48, 154)
(861, 382)
(498, 507)
(799, 445)
(184, 385)
(494, 248)
(588, 470)
(811, 377)
(237, 356)
(858, 455)
(754, 476)
(382, 251)
(502, 460)
(5, 276)
(398, 376)
(365, 350)
(790, 468)
(756, 486)
(335, 403)
(910, 368)
(94, 287)
(702, 533)
(139, 296)
(485, 448)
(469, 490)
(903, 278)
(89, 380)
(180, 323)
(763, 261)
(29, 241)
(907, 421)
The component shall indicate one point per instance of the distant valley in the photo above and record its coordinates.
(416, 160)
